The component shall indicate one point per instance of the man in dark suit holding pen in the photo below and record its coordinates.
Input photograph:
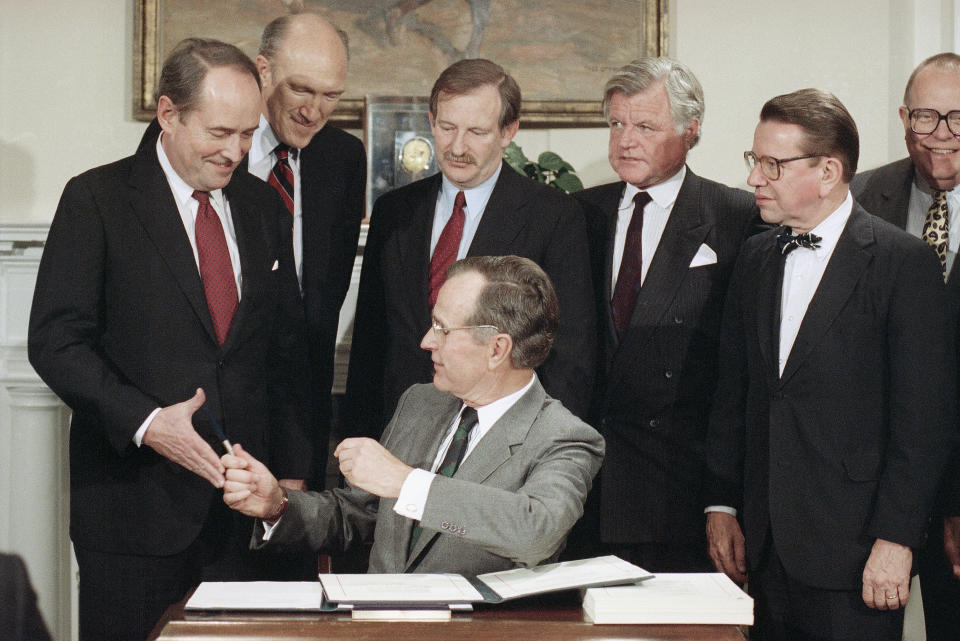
(167, 284)
(677, 235)
(922, 195)
(477, 205)
(835, 407)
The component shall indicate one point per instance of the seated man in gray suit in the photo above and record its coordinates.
(478, 472)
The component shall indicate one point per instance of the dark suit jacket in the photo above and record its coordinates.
(510, 504)
(20, 620)
(885, 192)
(333, 179)
(847, 446)
(522, 217)
(655, 386)
(120, 326)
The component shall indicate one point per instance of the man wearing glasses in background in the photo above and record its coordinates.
(920, 194)
(834, 413)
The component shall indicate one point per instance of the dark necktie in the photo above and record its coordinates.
(631, 267)
(447, 247)
(454, 456)
(281, 176)
(216, 270)
(787, 242)
(936, 227)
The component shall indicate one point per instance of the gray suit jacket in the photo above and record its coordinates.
(511, 503)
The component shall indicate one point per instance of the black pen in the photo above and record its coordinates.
(219, 431)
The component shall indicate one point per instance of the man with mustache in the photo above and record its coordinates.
(921, 195)
(477, 205)
(167, 285)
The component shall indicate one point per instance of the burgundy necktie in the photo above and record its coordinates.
(631, 266)
(447, 247)
(216, 270)
(281, 176)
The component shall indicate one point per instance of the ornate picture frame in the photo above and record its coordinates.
(559, 52)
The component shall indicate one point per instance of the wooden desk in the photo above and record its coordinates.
(526, 620)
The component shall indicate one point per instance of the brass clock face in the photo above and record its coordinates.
(416, 155)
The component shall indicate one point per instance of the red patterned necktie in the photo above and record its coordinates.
(216, 270)
(281, 176)
(447, 247)
(631, 266)
(454, 456)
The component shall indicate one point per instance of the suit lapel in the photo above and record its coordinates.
(609, 207)
(157, 211)
(844, 269)
(504, 217)
(413, 242)
(251, 249)
(682, 237)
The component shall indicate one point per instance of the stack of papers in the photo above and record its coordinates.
(672, 598)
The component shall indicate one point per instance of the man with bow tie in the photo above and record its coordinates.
(834, 410)
(663, 242)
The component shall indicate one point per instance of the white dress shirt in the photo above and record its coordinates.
(187, 206)
(802, 272)
(260, 162)
(655, 217)
(476, 197)
(921, 197)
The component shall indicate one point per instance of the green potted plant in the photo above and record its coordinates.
(549, 168)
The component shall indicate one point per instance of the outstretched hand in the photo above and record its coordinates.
(250, 488)
(172, 436)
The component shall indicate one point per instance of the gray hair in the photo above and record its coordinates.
(683, 89)
(519, 300)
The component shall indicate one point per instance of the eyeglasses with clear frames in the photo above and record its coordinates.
(440, 332)
(770, 166)
(926, 121)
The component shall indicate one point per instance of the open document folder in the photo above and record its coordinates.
(396, 591)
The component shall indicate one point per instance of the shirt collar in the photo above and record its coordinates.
(831, 227)
(664, 194)
(182, 192)
(491, 412)
(264, 142)
(476, 197)
(922, 185)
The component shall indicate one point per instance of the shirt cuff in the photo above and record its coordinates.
(138, 437)
(720, 508)
(413, 494)
(268, 528)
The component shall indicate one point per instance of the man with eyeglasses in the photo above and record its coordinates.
(663, 242)
(834, 413)
(921, 194)
(477, 472)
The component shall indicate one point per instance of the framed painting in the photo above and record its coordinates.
(560, 52)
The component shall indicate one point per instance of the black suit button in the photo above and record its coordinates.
(654, 422)
(219, 364)
(668, 373)
(777, 396)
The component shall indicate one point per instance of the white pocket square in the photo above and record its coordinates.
(705, 256)
(276, 263)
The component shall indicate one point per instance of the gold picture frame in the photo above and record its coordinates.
(560, 52)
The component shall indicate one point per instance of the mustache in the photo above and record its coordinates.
(466, 158)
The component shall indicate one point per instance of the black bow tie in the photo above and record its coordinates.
(787, 242)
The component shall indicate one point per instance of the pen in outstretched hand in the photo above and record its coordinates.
(219, 430)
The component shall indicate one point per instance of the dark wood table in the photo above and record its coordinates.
(557, 618)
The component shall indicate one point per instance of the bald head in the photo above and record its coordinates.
(303, 69)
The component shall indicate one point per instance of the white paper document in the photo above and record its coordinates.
(257, 595)
(602, 570)
(398, 588)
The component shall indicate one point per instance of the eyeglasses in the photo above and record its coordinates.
(769, 165)
(926, 121)
(440, 332)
